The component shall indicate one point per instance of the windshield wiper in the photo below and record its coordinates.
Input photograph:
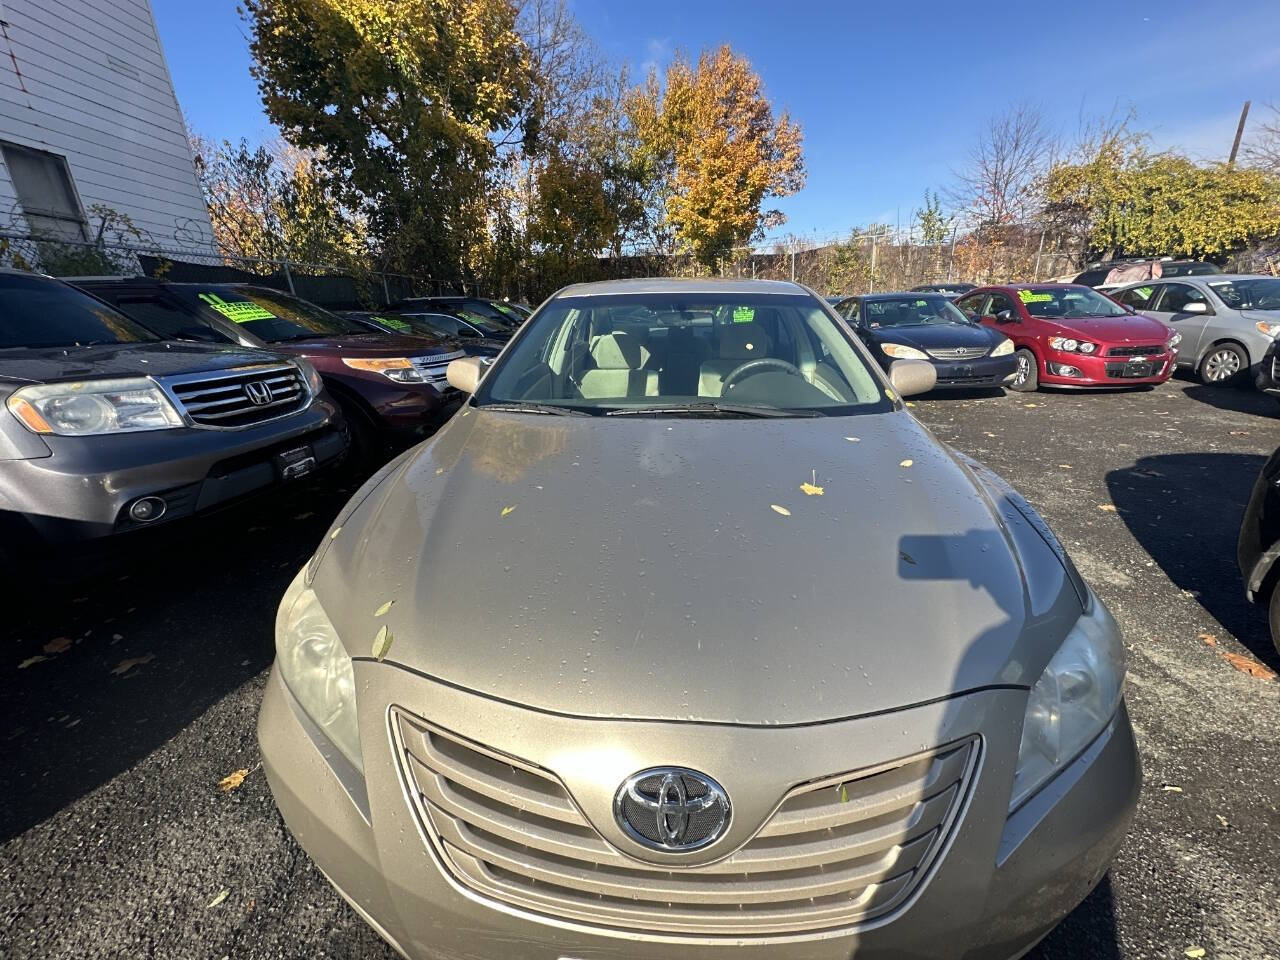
(528, 406)
(711, 409)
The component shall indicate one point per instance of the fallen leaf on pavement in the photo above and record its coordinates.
(1208, 639)
(1194, 951)
(1170, 788)
(1252, 667)
(57, 645)
(232, 780)
(1066, 466)
(854, 439)
(1222, 820)
(30, 660)
(780, 510)
(988, 433)
(124, 666)
(1030, 404)
(1239, 433)
(217, 901)
(1107, 507)
(906, 463)
(810, 490)
(507, 510)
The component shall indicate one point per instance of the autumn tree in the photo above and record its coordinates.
(403, 102)
(711, 136)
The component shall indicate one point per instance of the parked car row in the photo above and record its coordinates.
(220, 391)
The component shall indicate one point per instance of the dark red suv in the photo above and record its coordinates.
(1068, 335)
(391, 388)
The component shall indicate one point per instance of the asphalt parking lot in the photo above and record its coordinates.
(132, 691)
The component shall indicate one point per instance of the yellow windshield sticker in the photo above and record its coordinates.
(743, 314)
(237, 311)
(1144, 292)
(1030, 296)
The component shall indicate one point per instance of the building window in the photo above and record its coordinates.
(43, 184)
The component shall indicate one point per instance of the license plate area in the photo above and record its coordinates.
(295, 462)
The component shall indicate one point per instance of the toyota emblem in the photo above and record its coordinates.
(672, 809)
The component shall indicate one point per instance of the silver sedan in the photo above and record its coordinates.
(1227, 321)
(684, 639)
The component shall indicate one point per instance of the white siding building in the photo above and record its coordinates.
(88, 118)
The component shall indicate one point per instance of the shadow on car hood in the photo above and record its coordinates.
(151, 358)
(738, 571)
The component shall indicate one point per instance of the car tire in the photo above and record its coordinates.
(365, 447)
(1274, 615)
(1222, 365)
(1027, 377)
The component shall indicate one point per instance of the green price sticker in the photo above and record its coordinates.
(1028, 296)
(743, 314)
(237, 311)
(395, 323)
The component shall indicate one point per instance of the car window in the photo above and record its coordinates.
(1174, 297)
(165, 317)
(39, 312)
(1140, 298)
(971, 305)
(780, 351)
(442, 324)
(1188, 269)
(1091, 278)
(998, 304)
(911, 311)
(1249, 293)
(272, 316)
(1073, 301)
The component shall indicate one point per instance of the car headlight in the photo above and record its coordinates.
(316, 668)
(1072, 702)
(901, 351)
(310, 374)
(87, 408)
(399, 369)
(1174, 340)
(1072, 345)
(1270, 328)
(1003, 349)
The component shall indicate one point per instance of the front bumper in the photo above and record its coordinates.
(1099, 370)
(998, 886)
(82, 490)
(980, 372)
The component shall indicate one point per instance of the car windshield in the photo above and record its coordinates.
(274, 317)
(1250, 293)
(38, 312)
(1069, 302)
(441, 324)
(910, 312)
(1188, 269)
(693, 354)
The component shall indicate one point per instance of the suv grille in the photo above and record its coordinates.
(958, 353)
(838, 851)
(1151, 351)
(240, 397)
(433, 367)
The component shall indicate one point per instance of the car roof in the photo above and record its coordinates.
(894, 294)
(606, 288)
(1209, 278)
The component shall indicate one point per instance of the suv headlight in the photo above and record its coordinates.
(1003, 349)
(399, 369)
(91, 407)
(902, 352)
(1074, 699)
(316, 668)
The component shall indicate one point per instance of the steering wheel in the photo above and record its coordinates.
(752, 367)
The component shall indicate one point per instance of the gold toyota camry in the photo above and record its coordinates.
(684, 639)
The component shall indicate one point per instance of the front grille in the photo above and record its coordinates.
(958, 353)
(226, 398)
(1129, 371)
(838, 851)
(973, 379)
(1153, 350)
(433, 368)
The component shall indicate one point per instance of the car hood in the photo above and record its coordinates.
(368, 345)
(936, 336)
(156, 359)
(735, 571)
(1127, 329)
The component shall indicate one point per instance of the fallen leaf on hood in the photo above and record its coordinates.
(439, 470)
(124, 666)
(334, 535)
(1170, 788)
(57, 645)
(382, 642)
(810, 490)
(1208, 639)
(1252, 667)
(30, 660)
(1107, 507)
(844, 793)
(507, 510)
(854, 439)
(217, 901)
(382, 610)
(232, 780)
(782, 510)
(1194, 951)
(906, 463)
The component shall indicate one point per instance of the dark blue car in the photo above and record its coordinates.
(928, 326)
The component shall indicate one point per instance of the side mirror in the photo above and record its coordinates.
(1195, 306)
(1005, 316)
(908, 377)
(464, 374)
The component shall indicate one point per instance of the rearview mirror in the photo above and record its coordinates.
(908, 377)
(1195, 306)
(464, 374)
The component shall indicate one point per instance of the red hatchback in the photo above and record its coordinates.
(1067, 335)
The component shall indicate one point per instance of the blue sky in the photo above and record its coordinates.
(889, 96)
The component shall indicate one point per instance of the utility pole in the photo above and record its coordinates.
(1235, 146)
